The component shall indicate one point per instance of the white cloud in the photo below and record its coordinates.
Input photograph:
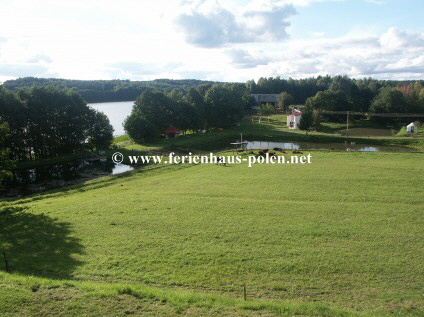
(393, 53)
(207, 23)
(233, 40)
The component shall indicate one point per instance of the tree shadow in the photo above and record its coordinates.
(37, 244)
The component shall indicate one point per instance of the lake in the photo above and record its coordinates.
(117, 112)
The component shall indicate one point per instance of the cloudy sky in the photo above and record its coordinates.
(224, 40)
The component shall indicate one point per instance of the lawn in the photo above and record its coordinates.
(339, 237)
(272, 128)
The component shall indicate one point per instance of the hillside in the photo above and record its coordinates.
(338, 237)
(106, 90)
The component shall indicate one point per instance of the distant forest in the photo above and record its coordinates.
(106, 90)
(337, 92)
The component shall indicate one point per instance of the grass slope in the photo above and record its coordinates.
(273, 128)
(345, 232)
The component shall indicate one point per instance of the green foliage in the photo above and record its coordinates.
(388, 100)
(100, 133)
(266, 110)
(105, 90)
(207, 107)
(402, 132)
(5, 162)
(139, 128)
(327, 100)
(224, 105)
(285, 100)
(307, 119)
(47, 121)
(316, 120)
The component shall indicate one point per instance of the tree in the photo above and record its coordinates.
(139, 128)
(100, 134)
(155, 107)
(316, 120)
(285, 100)
(5, 162)
(266, 110)
(186, 117)
(388, 100)
(306, 120)
(194, 98)
(15, 113)
(224, 105)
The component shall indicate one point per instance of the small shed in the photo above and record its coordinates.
(171, 132)
(411, 128)
(293, 119)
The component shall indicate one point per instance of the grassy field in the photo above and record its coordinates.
(339, 237)
(270, 129)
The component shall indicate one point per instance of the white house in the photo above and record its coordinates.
(411, 128)
(293, 119)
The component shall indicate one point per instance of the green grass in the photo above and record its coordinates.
(273, 129)
(340, 237)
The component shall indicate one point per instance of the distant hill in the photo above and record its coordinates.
(106, 90)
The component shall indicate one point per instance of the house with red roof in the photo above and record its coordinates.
(293, 119)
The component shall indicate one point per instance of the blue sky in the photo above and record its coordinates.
(336, 18)
(231, 40)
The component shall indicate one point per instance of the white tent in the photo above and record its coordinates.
(411, 128)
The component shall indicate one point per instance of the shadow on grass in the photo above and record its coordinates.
(37, 244)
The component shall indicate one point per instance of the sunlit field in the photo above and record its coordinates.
(339, 237)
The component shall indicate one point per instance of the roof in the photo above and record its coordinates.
(171, 130)
(296, 113)
(265, 97)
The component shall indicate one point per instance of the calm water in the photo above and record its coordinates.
(117, 112)
(257, 145)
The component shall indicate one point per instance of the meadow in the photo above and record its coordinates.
(274, 128)
(339, 237)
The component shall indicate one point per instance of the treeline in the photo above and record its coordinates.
(360, 91)
(202, 108)
(45, 122)
(105, 90)
(341, 93)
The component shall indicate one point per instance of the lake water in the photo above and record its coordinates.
(262, 145)
(117, 112)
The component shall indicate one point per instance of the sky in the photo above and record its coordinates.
(222, 40)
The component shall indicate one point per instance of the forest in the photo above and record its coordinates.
(202, 108)
(46, 122)
(105, 90)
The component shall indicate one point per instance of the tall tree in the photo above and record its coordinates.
(306, 120)
(5, 162)
(100, 132)
(285, 100)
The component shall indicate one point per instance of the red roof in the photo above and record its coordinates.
(297, 113)
(171, 130)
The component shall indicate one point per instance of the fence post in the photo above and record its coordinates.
(244, 292)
